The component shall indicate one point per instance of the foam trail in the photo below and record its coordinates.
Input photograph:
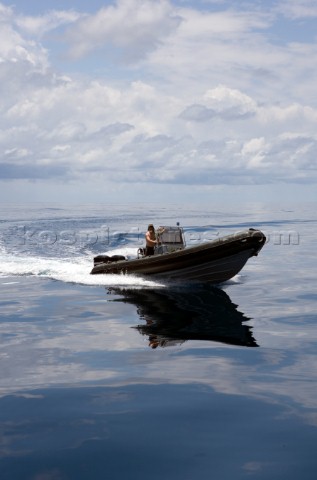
(66, 270)
(77, 270)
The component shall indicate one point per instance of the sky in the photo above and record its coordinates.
(158, 100)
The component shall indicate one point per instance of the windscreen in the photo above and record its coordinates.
(170, 235)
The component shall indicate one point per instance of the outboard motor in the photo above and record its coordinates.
(101, 259)
(106, 259)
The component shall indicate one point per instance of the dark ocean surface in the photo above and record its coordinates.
(120, 377)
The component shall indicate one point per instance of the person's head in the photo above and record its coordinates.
(150, 228)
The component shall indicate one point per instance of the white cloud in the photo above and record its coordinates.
(298, 9)
(5, 12)
(134, 27)
(221, 102)
(213, 101)
(14, 48)
(41, 24)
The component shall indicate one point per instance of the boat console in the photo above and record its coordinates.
(169, 239)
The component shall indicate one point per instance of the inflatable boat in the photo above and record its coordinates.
(214, 262)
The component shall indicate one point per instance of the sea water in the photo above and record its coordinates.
(124, 377)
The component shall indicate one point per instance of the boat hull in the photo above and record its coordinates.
(214, 262)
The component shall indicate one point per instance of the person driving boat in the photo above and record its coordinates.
(150, 240)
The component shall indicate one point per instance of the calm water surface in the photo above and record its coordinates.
(125, 378)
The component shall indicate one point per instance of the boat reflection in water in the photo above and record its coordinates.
(172, 317)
